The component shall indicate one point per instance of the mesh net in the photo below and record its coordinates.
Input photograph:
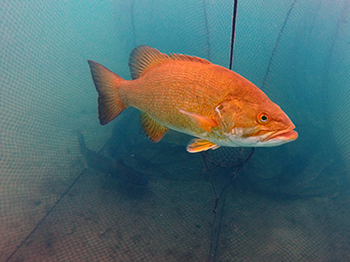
(118, 197)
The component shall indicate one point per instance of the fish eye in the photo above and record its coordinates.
(263, 118)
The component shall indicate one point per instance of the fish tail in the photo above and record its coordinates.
(107, 85)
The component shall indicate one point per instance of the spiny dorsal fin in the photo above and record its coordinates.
(152, 128)
(144, 57)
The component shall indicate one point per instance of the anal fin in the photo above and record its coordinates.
(152, 128)
(198, 145)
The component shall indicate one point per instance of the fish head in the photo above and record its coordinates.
(255, 121)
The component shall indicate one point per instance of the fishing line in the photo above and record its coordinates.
(233, 32)
(276, 44)
(217, 230)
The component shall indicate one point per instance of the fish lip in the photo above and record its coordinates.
(285, 134)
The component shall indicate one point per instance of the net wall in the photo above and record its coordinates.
(55, 207)
(44, 100)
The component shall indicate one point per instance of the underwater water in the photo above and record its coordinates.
(74, 190)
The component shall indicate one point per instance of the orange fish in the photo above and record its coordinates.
(193, 96)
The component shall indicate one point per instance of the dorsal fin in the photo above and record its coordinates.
(189, 58)
(144, 57)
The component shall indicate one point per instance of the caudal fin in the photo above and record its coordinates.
(107, 84)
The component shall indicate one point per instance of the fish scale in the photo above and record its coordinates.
(193, 96)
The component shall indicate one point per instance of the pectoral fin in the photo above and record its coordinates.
(201, 121)
(199, 145)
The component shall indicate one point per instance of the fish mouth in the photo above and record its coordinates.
(288, 134)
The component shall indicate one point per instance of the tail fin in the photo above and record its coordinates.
(107, 83)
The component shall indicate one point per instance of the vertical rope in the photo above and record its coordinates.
(233, 32)
(216, 230)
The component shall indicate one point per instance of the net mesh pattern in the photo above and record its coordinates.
(286, 204)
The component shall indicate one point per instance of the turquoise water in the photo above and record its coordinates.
(287, 203)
